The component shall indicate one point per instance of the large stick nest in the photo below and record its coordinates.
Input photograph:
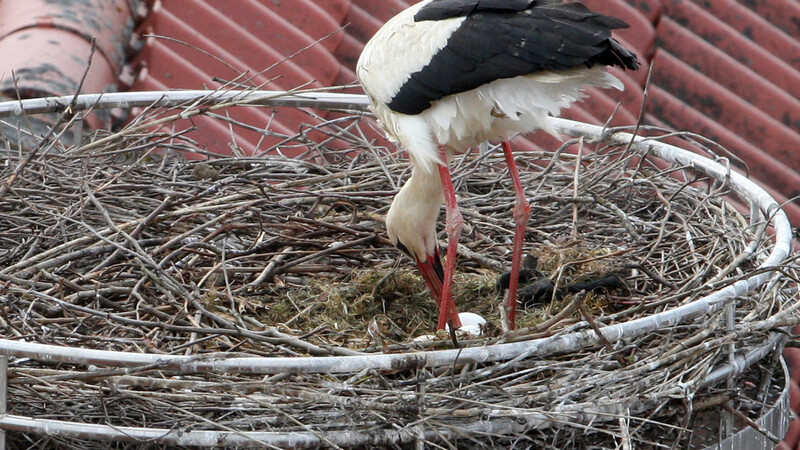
(119, 244)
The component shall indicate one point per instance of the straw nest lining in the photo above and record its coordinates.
(121, 249)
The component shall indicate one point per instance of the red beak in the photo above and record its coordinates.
(432, 271)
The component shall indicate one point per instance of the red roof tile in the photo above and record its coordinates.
(726, 108)
(785, 14)
(726, 71)
(784, 182)
(725, 38)
(756, 28)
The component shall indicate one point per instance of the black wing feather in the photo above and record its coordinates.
(448, 9)
(508, 38)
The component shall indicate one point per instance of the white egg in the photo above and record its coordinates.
(471, 323)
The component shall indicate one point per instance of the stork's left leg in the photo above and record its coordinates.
(448, 314)
(522, 213)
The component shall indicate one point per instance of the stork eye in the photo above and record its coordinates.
(400, 246)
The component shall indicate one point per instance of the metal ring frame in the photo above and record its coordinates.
(761, 203)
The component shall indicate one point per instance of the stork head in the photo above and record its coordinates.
(411, 225)
(430, 267)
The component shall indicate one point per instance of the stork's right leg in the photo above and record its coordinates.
(448, 314)
(522, 213)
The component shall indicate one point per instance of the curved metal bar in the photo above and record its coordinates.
(85, 102)
(775, 419)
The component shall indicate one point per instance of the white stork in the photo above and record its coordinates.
(445, 75)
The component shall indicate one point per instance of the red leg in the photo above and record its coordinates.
(522, 212)
(448, 314)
